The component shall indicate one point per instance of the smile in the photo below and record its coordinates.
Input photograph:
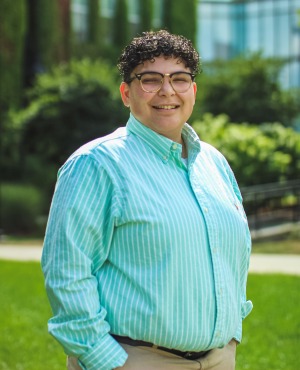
(166, 107)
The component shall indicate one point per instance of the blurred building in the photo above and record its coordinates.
(230, 28)
(226, 28)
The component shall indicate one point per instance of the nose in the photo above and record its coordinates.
(166, 87)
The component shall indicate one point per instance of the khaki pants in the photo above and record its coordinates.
(147, 358)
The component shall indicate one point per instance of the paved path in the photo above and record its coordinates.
(259, 263)
(275, 263)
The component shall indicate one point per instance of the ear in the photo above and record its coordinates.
(195, 91)
(124, 90)
(195, 88)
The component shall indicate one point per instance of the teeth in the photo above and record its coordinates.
(166, 107)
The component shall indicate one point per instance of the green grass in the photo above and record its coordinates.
(271, 333)
(288, 246)
(270, 341)
(24, 311)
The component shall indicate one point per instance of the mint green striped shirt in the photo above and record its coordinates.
(142, 245)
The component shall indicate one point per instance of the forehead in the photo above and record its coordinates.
(162, 64)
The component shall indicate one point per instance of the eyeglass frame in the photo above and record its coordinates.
(140, 75)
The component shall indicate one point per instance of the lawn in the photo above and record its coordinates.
(285, 246)
(271, 337)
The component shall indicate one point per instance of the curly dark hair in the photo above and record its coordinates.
(154, 44)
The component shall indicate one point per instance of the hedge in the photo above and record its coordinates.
(21, 210)
(258, 154)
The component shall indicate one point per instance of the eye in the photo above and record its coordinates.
(181, 78)
(151, 79)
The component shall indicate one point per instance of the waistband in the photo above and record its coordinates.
(132, 342)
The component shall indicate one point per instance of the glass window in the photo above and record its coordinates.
(134, 11)
(252, 27)
(79, 10)
(205, 35)
(107, 8)
(158, 13)
(227, 28)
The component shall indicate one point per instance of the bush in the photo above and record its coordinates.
(10, 134)
(69, 106)
(247, 90)
(257, 154)
(21, 210)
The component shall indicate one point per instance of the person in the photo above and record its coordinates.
(147, 245)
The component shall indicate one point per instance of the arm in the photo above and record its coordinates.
(77, 242)
(246, 306)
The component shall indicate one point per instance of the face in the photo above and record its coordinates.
(165, 111)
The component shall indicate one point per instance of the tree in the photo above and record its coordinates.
(180, 17)
(44, 37)
(70, 105)
(146, 13)
(12, 37)
(65, 25)
(94, 22)
(120, 26)
(47, 35)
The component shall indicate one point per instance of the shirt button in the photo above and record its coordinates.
(174, 146)
(205, 209)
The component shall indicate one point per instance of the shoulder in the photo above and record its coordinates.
(212, 152)
(224, 168)
(215, 158)
(105, 145)
(101, 153)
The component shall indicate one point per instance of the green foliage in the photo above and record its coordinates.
(247, 90)
(146, 13)
(180, 17)
(120, 25)
(257, 154)
(69, 106)
(12, 37)
(10, 149)
(21, 207)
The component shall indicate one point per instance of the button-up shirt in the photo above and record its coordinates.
(140, 244)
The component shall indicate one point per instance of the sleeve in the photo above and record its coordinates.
(246, 305)
(78, 236)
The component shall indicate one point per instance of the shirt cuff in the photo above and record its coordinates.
(106, 355)
(246, 309)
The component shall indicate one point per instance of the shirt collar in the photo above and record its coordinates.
(161, 144)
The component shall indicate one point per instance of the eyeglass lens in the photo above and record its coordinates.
(152, 82)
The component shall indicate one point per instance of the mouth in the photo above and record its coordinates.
(165, 107)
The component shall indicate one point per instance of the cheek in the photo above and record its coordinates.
(140, 101)
(140, 108)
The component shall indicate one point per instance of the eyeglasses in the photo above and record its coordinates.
(152, 82)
